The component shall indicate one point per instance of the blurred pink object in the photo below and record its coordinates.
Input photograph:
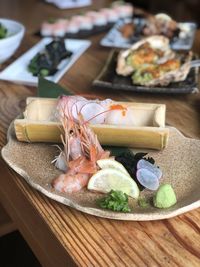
(111, 14)
(73, 26)
(84, 22)
(47, 28)
(98, 19)
(60, 27)
(55, 28)
(124, 11)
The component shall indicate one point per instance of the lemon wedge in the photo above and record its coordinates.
(109, 179)
(113, 164)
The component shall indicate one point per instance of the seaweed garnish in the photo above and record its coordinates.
(45, 63)
(129, 160)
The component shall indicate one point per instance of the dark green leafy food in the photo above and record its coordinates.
(116, 201)
(3, 31)
(46, 63)
(129, 160)
(42, 65)
(57, 51)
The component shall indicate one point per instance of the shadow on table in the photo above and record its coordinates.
(15, 252)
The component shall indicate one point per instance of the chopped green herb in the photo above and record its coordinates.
(116, 201)
(143, 202)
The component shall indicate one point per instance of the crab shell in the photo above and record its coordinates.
(157, 42)
(172, 76)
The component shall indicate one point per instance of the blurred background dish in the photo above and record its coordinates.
(180, 10)
(86, 24)
(63, 4)
(19, 70)
(109, 79)
(128, 31)
(14, 32)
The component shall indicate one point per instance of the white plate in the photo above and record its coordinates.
(17, 72)
(114, 37)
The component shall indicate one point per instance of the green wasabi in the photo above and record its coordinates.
(165, 197)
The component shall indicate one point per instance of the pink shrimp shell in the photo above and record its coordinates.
(69, 183)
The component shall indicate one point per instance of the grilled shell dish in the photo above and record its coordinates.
(151, 62)
(163, 74)
(151, 50)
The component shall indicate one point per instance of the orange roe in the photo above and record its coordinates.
(119, 107)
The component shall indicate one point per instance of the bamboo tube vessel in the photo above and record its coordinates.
(39, 124)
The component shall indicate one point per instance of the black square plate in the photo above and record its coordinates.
(108, 78)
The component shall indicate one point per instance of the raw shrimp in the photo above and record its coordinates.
(70, 183)
(81, 152)
(81, 146)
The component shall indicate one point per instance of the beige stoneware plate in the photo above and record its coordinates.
(179, 163)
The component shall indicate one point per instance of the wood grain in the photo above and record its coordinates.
(61, 236)
(6, 224)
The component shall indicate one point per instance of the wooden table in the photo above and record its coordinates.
(61, 236)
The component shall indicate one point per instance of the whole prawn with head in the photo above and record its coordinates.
(81, 146)
(81, 149)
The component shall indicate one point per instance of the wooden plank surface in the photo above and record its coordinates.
(6, 224)
(61, 236)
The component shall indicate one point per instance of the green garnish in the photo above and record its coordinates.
(44, 72)
(116, 201)
(32, 67)
(165, 197)
(3, 31)
(141, 78)
(143, 202)
(129, 60)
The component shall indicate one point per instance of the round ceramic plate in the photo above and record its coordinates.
(179, 163)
